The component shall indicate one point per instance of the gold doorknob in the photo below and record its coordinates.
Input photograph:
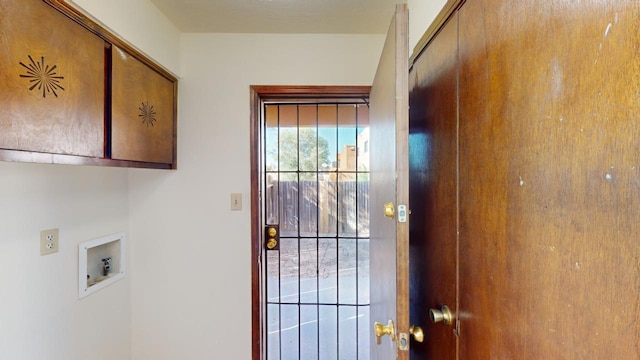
(382, 330)
(417, 333)
(389, 210)
(444, 315)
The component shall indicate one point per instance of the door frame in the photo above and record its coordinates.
(259, 93)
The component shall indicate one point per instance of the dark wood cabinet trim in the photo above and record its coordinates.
(112, 40)
(49, 158)
(449, 9)
(312, 91)
(78, 17)
(107, 100)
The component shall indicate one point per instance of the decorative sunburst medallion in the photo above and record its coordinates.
(43, 77)
(147, 113)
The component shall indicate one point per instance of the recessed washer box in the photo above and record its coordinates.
(101, 263)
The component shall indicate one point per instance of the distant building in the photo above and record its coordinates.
(363, 150)
(354, 157)
(347, 158)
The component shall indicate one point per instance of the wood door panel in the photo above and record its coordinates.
(389, 245)
(549, 182)
(52, 89)
(485, 274)
(143, 111)
(432, 158)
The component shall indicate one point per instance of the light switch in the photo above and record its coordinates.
(236, 201)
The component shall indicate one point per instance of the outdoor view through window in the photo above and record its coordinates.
(316, 189)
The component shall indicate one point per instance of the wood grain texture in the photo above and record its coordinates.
(389, 245)
(549, 183)
(67, 8)
(67, 119)
(382, 185)
(448, 10)
(433, 189)
(269, 92)
(258, 338)
(142, 111)
(49, 158)
(402, 172)
(52, 90)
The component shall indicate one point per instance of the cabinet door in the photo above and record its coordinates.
(52, 90)
(549, 192)
(143, 111)
(433, 188)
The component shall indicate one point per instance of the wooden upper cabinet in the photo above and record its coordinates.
(52, 83)
(71, 92)
(142, 111)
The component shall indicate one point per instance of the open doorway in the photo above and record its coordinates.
(310, 188)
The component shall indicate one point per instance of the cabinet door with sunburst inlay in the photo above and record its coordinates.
(143, 112)
(52, 87)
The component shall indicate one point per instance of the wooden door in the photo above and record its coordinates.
(389, 184)
(143, 111)
(550, 179)
(51, 84)
(433, 186)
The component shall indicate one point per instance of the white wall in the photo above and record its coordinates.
(191, 296)
(143, 25)
(139, 23)
(41, 316)
(187, 294)
(421, 15)
(192, 287)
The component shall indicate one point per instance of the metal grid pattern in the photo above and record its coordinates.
(316, 188)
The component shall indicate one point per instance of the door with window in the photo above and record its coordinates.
(314, 208)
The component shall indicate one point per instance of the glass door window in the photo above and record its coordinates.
(315, 187)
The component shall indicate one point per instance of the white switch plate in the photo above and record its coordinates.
(236, 201)
(48, 241)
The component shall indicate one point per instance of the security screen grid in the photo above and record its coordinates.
(316, 188)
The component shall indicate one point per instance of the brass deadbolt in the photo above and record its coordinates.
(272, 236)
(272, 231)
(389, 210)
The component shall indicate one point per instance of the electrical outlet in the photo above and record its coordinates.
(48, 241)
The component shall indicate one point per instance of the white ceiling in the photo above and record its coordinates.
(280, 16)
